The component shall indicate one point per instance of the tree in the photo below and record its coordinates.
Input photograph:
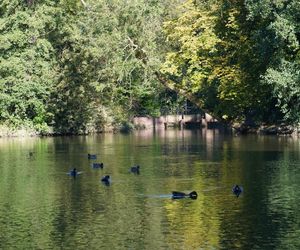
(214, 59)
(71, 64)
(108, 54)
(27, 64)
(277, 34)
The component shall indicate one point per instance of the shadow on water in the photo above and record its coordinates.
(41, 207)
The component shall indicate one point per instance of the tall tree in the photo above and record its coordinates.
(214, 59)
(69, 63)
(27, 62)
(108, 53)
(277, 35)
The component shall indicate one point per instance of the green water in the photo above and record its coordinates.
(41, 207)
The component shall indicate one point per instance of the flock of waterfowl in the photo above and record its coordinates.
(105, 179)
(236, 190)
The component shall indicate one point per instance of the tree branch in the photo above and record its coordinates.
(189, 96)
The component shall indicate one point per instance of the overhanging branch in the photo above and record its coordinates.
(189, 96)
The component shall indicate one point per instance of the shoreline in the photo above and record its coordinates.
(275, 130)
(235, 129)
(6, 132)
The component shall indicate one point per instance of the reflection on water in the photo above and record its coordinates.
(41, 207)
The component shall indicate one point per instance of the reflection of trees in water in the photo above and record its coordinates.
(260, 164)
(51, 209)
(192, 224)
(29, 195)
(283, 199)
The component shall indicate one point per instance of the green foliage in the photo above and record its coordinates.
(77, 65)
(286, 80)
(61, 61)
(27, 65)
(225, 54)
(277, 38)
(107, 57)
(202, 61)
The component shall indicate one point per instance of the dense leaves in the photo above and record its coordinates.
(239, 58)
(80, 65)
(27, 62)
(278, 35)
(75, 65)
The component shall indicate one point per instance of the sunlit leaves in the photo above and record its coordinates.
(221, 51)
(203, 60)
(285, 81)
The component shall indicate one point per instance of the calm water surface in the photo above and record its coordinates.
(41, 207)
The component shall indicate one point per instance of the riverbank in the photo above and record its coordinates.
(280, 130)
(7, 132)
(236, 128)
(198, 121)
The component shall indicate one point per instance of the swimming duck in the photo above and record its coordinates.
(90, 156)
(237, 190)
(98, 165)
(179, 195)
(135, 169)
(74, 172)
(106, 180)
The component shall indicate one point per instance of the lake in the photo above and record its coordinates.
(42, 207)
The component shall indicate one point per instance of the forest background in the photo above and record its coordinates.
(77, 66)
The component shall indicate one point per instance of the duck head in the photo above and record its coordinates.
(193, 195)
